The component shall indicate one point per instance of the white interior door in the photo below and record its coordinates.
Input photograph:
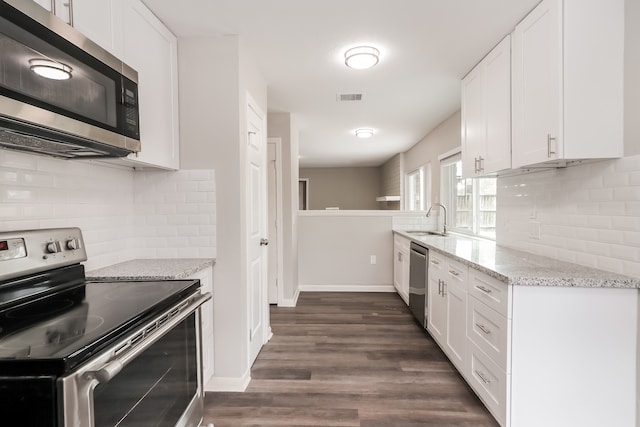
(256, 231)
(273, 196)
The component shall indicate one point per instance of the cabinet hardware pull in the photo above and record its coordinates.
(455, 273)
(483, 289)
(399, 256)
(439, 287)
(483, 328)
(475, 165)
(549, 139)
(481, 163)
(482, 377)
(433, 261)
(444, 285)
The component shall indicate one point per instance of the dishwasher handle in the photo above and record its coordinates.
(418, 254)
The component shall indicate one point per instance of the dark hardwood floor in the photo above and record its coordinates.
(349, 359)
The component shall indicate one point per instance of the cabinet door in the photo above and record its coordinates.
(473, 121)
(404, 284)
(101, 22)
(497, 153)
(436, 304)
(537, 86)
(398, 268)
(157, 84)
(456, 301)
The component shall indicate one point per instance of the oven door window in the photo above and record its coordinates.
(156, 387)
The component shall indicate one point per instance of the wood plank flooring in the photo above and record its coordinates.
(349, 359)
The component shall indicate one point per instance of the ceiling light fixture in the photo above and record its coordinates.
(361, 57)
(364, 133)
(50, 69)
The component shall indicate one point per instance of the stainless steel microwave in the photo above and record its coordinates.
(61, 94)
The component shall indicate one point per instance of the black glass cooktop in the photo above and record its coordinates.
(65, 324)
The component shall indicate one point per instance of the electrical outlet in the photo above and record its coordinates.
(373, 259)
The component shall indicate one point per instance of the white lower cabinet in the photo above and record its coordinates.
(436, 304)
(401, 266)
(447, 303)
(470, 333)
(552, 356)
(206, 322)
(489, 382)
(487, 342)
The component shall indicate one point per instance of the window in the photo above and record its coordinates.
(418, 188)
(471, 201)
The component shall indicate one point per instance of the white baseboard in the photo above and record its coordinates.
(347, 288)
(291, 302)
(234, 384)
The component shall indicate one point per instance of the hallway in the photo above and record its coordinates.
(349, 359)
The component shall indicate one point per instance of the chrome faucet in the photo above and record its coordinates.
(444, 225)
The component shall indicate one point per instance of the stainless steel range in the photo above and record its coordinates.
(81, 353)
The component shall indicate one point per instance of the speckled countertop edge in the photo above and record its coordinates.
(517, 267)
(156, 269)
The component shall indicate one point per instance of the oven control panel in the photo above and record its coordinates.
(31, 251)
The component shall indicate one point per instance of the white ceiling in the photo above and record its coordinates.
(426, 47)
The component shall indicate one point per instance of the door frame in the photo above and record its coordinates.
(279, 222)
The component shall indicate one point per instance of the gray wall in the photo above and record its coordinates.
(392, 175)
(442, 139)
(346, 188)
(213, 125)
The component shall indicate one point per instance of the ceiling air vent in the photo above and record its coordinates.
(343, 97)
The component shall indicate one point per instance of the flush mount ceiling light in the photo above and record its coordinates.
(50, 69)
(364, 133)
(361, 57)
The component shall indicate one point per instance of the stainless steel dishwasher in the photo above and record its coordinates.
(418, 264)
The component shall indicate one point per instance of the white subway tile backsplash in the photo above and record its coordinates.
(589, 214)
(632, 208)
(600, 195)
(10, 159)
(194, 197)
(609, 264)
(123, 214)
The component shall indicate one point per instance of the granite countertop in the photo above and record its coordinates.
(518, 267)
(157, 269)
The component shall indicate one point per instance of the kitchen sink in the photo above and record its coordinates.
(426, 233)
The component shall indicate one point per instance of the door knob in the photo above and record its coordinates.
(264, 242)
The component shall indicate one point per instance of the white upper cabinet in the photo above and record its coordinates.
(128, 30)
(486, 114)
(151, 49)
(97, 20)
(100, 21)
(567, 82)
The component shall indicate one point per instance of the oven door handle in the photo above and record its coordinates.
(114, 366)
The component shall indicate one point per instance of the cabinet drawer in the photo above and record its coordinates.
(488, 381)
(490, 291)
(488, 330)
(455, 273)
(436, 263)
